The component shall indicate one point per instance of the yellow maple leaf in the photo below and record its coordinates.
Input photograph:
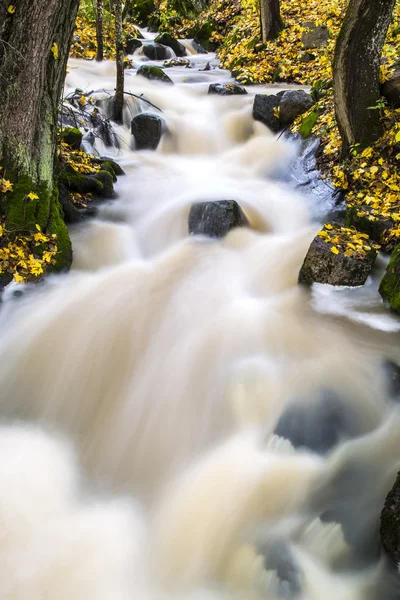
(82, 100)
(54, 50)
(5, 185)
(334, 250)
(33, 196)
(18, 278)
(11, 9)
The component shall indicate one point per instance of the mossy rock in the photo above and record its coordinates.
(166, 39)
(108, 164)
(389, 288)
(154, 74)
(106, 179)
(72, 136)
(82, 184)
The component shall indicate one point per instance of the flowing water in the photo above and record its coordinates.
(180, 419)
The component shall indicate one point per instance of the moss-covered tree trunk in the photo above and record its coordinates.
(118, 103)
(356, 71)
(99, 30)
(35, 40)
(270, 18)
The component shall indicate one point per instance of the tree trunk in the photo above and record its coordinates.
(118, 103)
(35, 41)
(356, 71)
(99, 31)
(271, 22)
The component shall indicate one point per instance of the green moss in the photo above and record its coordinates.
(72, 136)
(106, 179)
(82, 184)
(57, 225)
(389, 288)
(307, 124)
(153, 73)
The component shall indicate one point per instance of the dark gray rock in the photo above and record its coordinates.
(156, 51)
(306, 57)
(322, 266)
(176, 62)
(293, 104)
(391, 89)
(199, 48)
(390, 523)
(154, 73)
(132, 44)
(226, 89)
(147, 129)
(263, 110)
(392, 372)
(166, 39)
(216, 219)
(315, 36)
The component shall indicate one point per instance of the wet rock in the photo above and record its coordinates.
(293, 104)
(108, 164)
(206, 68)
(216, 219)
(389, 288)
(264, 110)
(226, 89)
(199, 48)
(99, 184)
(107, 181)
(154, 73)
(279, 557)
(322, 266)
(72, 136)
(391, 89)
(315, 36)
(176, 62)
(306, 57)
(131, 45)
(156, 51)
(166, 39)
(147, 129)
(318, 425)
(392, 371)
(390, 523)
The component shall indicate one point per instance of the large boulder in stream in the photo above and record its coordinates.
(216, 219)
(166, 39)
(389, 288)
(265, 109)
(147, 129)
(390, 523)
(227, 89)
(293, 104)
(156, 51)
(338, 256)
(154, 74)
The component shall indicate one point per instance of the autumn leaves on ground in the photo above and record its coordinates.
(369, 176)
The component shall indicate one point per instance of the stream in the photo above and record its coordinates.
(180, 419)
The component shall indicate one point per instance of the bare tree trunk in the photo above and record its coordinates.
(35, 41)
(118, 103)
(356, 71)
(99, 30)
(271, 22)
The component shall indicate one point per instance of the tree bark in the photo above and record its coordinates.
(35, 38)
(356, 71)
(270, 16)
(99, 30)
(118, 103)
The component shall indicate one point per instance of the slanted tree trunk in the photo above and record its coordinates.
(356, 71)
(271, 22)
(118, 103)
(35, 38)
(99, 31)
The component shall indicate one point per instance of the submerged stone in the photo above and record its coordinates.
(226, 89)
(390, 523)
(321, 265)
(154, 74)
(265, 110)
(147, 129)
(166, 39)
(216, 219)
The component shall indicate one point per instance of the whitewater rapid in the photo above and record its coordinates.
(147, 396)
